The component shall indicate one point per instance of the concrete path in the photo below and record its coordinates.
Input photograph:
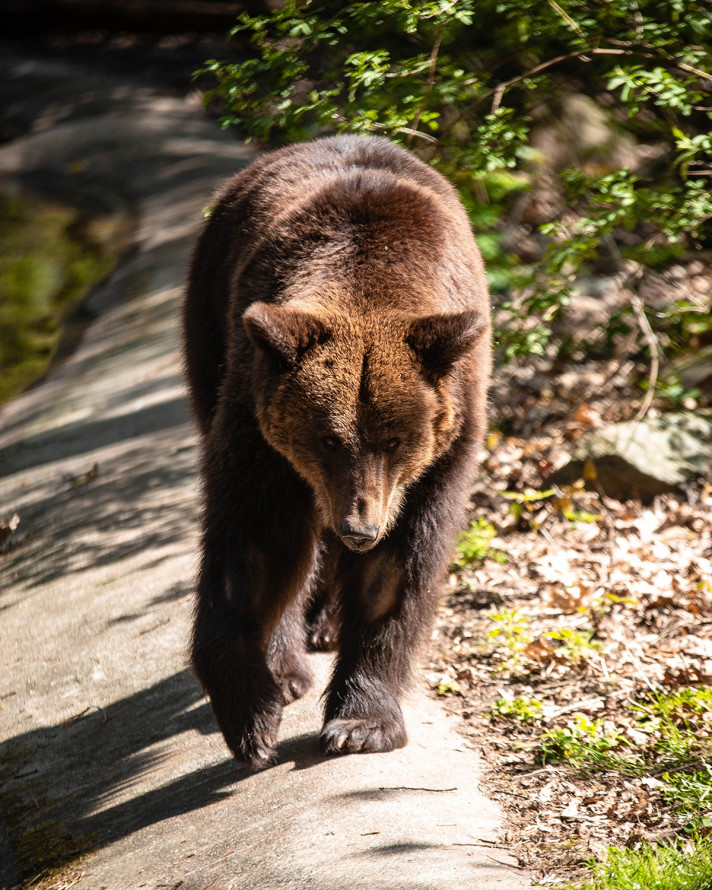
(112, 771)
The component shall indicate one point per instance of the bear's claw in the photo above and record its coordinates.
(322, 632)
(257, 753)
(253, 739)
(366, 735)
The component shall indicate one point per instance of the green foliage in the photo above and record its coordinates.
(691, 792)
(679, 723)
(511, 631)
(524, 710)
(583, 743)
(525, 505)
(671, 737)
(529, 495)
(576, 645)
(475, 544)
(665, 740)
(670, 731)
(448, 687)
(463, 83)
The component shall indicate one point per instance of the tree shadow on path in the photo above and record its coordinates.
(77, 786)
(68, 789)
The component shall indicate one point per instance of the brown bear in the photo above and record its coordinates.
(337, 343)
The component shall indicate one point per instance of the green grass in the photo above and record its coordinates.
(655, 867)
(673, 733)
(524, 710)
(691, 794)
(585, 744)
(575, 645)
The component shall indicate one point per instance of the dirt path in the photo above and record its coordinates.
(111, 768)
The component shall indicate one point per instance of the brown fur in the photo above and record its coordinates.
(338, 352)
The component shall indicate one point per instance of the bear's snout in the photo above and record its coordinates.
(358, 537)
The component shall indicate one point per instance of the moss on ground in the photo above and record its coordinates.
(47, 854)
(49, 259)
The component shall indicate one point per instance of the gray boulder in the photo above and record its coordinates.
(642, 459)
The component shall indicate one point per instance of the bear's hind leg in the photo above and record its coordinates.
(286, 650)
(322, 614)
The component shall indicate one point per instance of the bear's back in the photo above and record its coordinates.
(283, 177)
(282, 182)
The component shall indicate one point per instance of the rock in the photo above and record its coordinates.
(580, 133)
(642, 459)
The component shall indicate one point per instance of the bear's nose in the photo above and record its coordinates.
(358, 536)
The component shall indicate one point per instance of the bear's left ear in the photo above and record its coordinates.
(440, 340)
(283, 333)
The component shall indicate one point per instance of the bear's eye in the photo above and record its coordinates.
(391, 445)
(330, 443)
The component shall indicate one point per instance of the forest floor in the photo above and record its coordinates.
(576, 644)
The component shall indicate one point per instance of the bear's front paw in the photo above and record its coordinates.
(254, 741)
(365, 734)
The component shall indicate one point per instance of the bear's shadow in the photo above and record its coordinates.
(302, 751)
(66, 785)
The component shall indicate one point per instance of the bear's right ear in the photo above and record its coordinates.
(283, 333)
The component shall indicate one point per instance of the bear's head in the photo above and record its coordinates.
(360, 407)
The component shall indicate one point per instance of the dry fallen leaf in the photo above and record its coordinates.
(8, 527)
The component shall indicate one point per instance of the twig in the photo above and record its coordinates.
(582, 705)
(499, 90)
(410, 132)
(638, 21)
(71, 720)
(651, 340)
(692, 70)
(428, 85)
(481, 842)
(407, 788)
(567, 18)
(604, 669)
(655, 52)
(153, 627)
(497, 100)
(629, 283)
(506, 864)
(639, 666)
(625, 49)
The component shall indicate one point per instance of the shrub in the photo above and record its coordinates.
(465, 83)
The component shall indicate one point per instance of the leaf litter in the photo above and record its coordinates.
(579, 618)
